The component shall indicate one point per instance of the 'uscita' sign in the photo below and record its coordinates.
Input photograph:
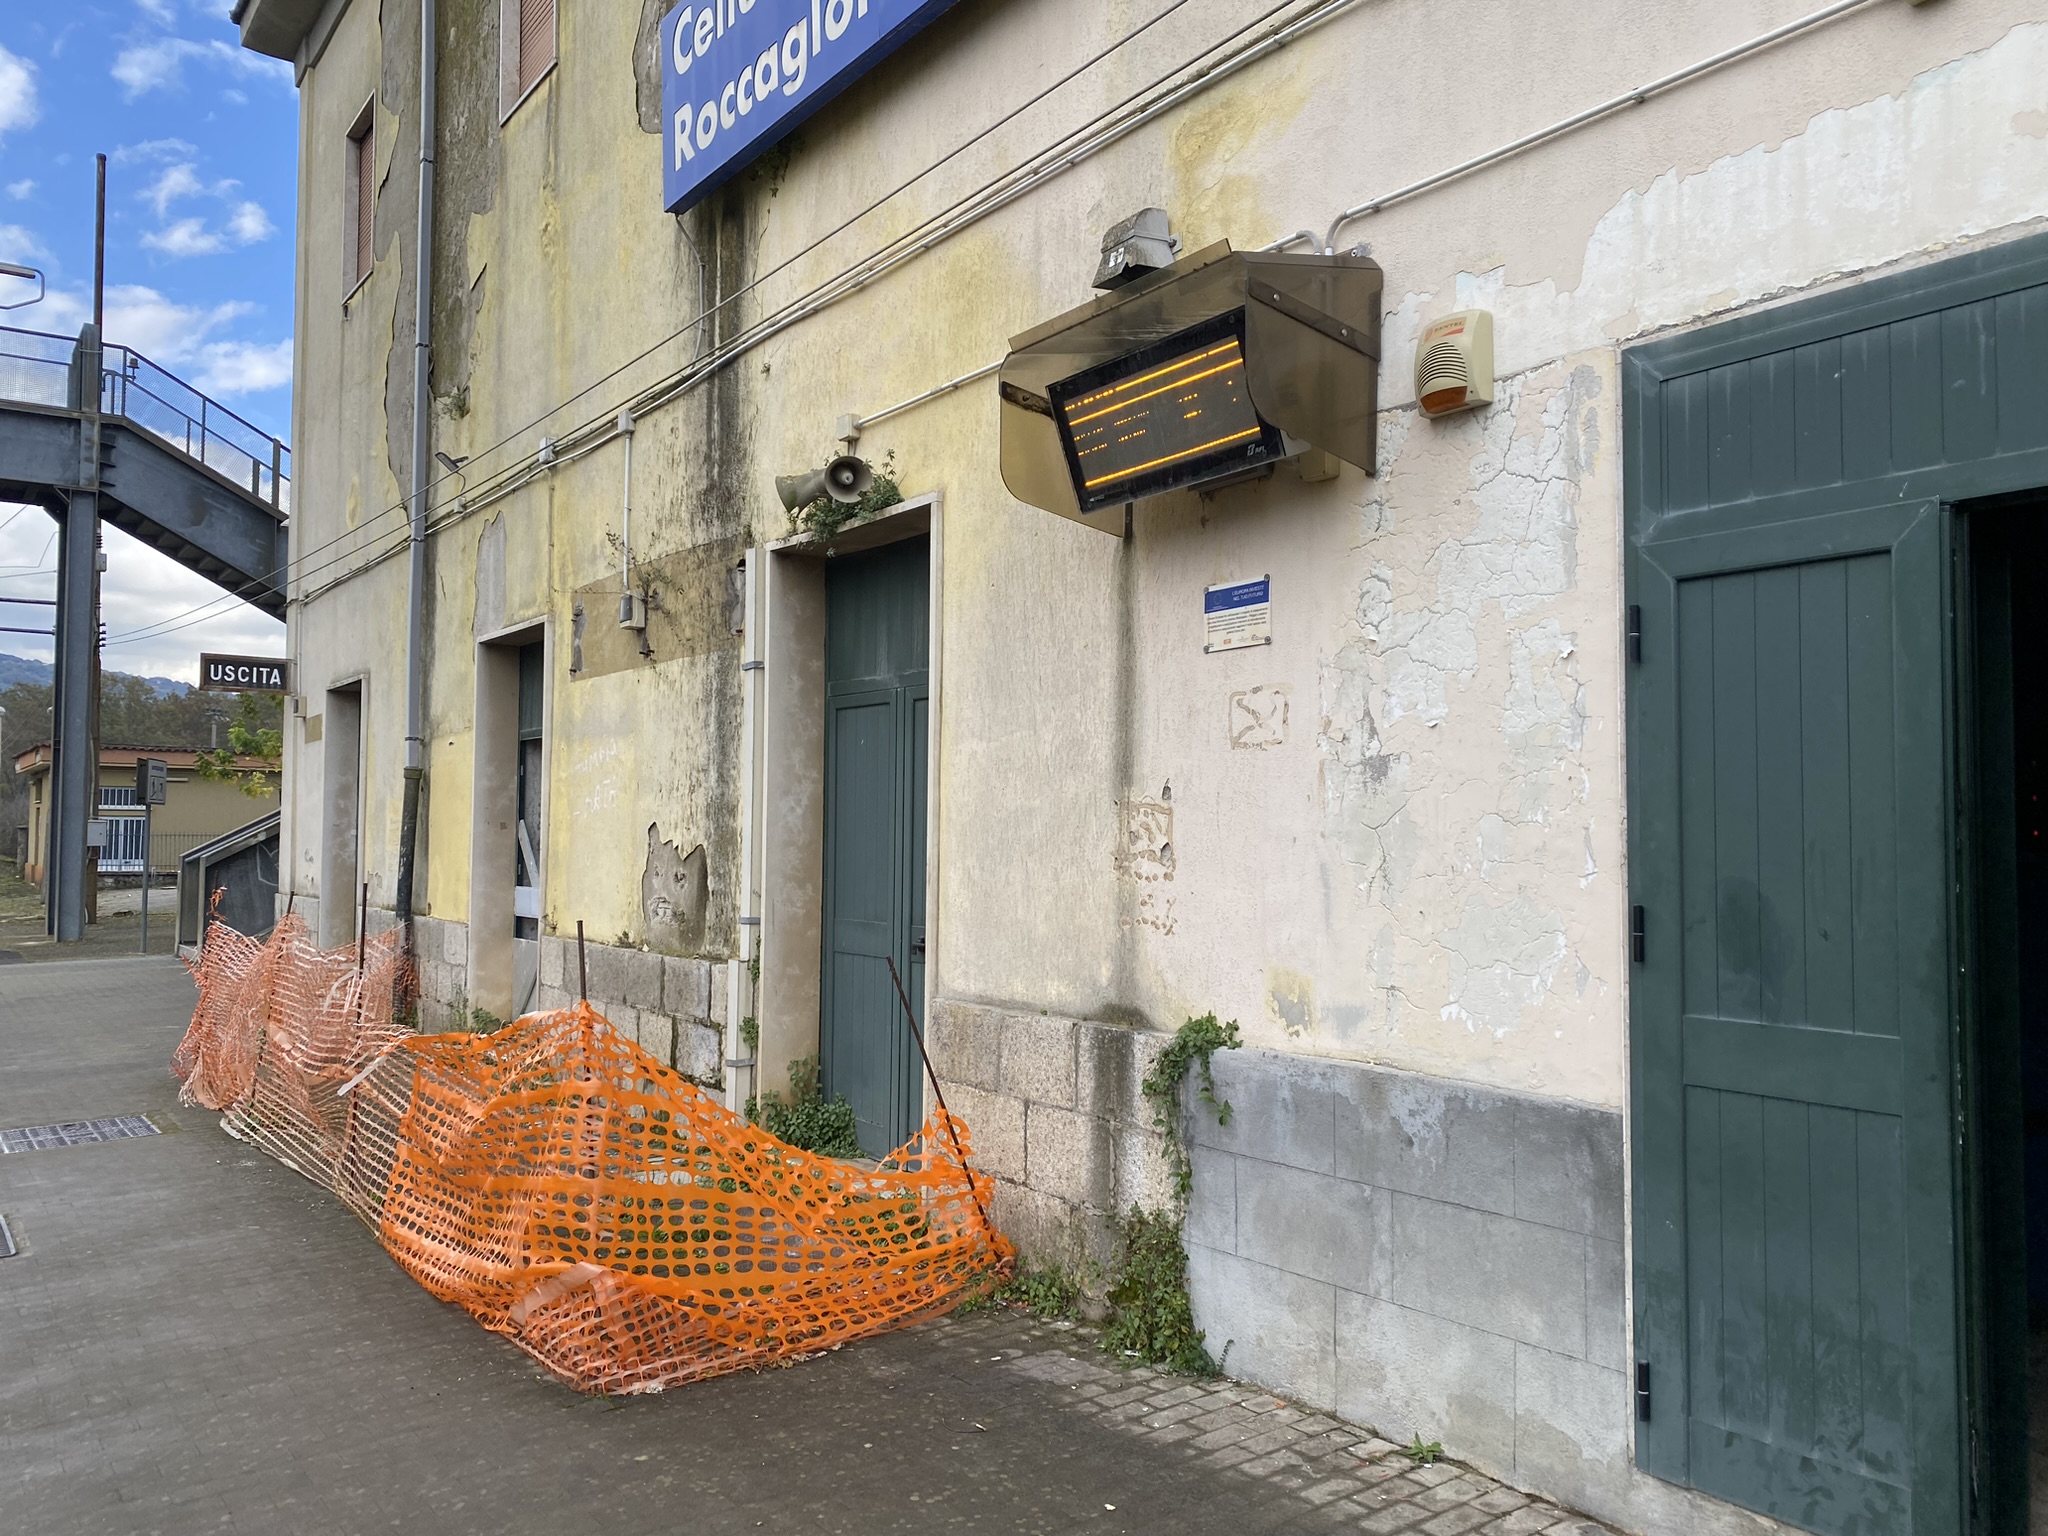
(737, 75)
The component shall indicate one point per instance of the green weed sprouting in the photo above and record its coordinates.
(1150, 1314)
(806, 1119)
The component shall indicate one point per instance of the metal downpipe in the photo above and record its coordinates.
(422, 432)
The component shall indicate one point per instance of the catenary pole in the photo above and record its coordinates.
(75, 772)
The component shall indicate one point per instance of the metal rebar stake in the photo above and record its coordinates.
(937, 1092)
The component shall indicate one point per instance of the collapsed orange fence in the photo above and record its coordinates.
(564, 1187)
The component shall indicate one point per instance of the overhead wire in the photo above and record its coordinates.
(1078, 144)
(747, 340)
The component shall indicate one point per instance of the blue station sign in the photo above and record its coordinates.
(737, 75)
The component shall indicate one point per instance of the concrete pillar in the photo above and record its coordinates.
(74, 779)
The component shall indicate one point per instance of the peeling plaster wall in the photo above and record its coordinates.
(1397, 832)
(1414, 857)
(1389, 843)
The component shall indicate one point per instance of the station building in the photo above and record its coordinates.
(1600, 782)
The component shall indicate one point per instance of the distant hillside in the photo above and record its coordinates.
(19, 669)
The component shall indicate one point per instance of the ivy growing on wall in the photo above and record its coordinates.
(1150, 1315)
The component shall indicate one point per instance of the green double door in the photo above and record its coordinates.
(877, 739)
(1802, 1287)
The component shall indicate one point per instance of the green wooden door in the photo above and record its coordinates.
(1799, 1294)
(876, 705)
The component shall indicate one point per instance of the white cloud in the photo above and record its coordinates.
(155, 149)
(176, 181)
(159, 10)
(192, 236)
(187, 237)
(181, 337)
(159, 64)
(19, 244)
(21, 190)
(167, 332)
(244, 368)
(250, 224)
(137, 316)
(141, 589)
(18, 105)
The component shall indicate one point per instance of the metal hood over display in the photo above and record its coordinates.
(1208, 370)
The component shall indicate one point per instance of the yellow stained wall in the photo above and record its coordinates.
(193, 807)
(1425, 868)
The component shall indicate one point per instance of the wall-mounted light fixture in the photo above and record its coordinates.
(1141, 244)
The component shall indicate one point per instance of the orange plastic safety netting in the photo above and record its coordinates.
(566, 1188)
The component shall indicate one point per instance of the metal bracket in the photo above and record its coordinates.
(1024, 399)
(1313, 318)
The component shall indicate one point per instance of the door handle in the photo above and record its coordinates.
(917, 949)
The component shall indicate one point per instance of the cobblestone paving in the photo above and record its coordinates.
(195, 1341)
(1351, 1480)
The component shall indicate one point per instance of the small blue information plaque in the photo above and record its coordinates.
(1238, 614)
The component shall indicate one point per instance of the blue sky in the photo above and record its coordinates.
(202, 145)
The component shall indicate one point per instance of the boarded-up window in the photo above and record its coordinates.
(536, 43)
(361, 214)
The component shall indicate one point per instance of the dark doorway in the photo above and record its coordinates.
(1828, 1102)
(2004, 696)
(876, 744)
(529, 833)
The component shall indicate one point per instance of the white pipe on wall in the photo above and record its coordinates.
(742, 1069)
(625, 427)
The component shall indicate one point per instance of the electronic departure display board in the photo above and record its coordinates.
(1169, 415)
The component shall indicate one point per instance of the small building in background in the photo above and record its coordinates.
(197, 809)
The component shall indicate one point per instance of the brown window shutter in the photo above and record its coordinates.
(536, 41)
(365, 147)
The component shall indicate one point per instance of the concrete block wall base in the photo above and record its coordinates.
(1414, 1254)
(1059, 1117)
(672, 1006)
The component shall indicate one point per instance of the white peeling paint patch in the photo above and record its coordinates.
(1543, 716)
(1503, 960)
(1945, 159)
(1364, 787)
(1509, 542)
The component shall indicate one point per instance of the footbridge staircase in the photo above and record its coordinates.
(94, 433)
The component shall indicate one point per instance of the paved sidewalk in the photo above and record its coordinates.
(194, 1339)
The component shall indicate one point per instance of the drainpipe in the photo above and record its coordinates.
(626, 522)
(422, 428)
(742, 993)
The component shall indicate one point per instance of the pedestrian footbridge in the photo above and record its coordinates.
(92, 434)
(178, 471)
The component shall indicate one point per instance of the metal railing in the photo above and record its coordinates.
(122, 854)
(35, 368)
